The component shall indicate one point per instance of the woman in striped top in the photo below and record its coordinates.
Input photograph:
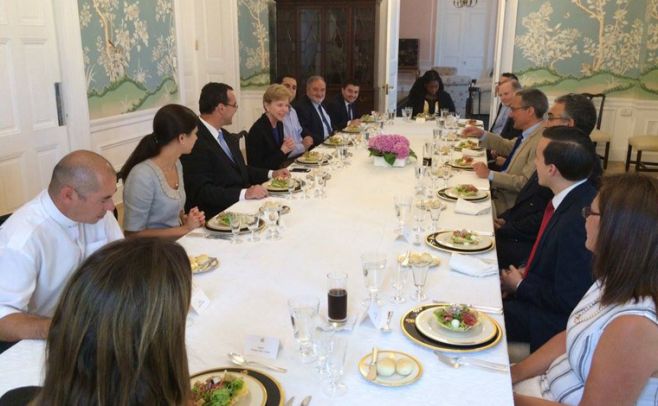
(608, 354)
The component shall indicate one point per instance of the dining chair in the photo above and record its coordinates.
(598, 136)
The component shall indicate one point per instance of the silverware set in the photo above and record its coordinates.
(305, 402)
(458, 362)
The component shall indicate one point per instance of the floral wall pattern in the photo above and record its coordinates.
(129, 55)
(596, 46)
(254, 35)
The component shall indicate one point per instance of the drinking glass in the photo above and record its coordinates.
(235, 222)
(391, 117)
(335, 365)
(436, 135)
(307, 188)
(271, 217)
(321, 346)
(444, 113)
(399, 282)
(407, 112)
(435, 214)
(373, 265)
(419, 273)
(291, 188)
(303, 310)
(337, 297)
(252, 224)
(445, 171)
(402, 206)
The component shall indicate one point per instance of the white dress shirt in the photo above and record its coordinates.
(39, 250)
(293, 129)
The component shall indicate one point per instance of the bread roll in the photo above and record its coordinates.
(404, 366)
(385, 367)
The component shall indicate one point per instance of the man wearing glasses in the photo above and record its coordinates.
(215, 173)
(527, 109)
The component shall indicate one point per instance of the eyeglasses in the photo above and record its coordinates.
(553, 118)
(235, 106)
(587, 211)
(518, 108)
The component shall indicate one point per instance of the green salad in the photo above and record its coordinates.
(216, 391)
(463, 237)
(280, 183)
(456, 317)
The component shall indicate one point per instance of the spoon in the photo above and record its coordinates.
(387, 326)
(238, 359)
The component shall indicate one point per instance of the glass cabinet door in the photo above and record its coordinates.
(336, 45)
(310, 44)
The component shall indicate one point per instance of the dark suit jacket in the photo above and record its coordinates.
(263, 151)
(417, 103)
(515, 238)
(508, 131)
(310, 120)
(338, 112)
(212, 181)
(560, 274)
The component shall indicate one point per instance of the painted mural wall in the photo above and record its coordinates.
(129, 55)
(254, 35)
(595, 46)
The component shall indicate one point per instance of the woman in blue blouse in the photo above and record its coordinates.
(153, 194)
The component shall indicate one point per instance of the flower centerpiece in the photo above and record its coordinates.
(392, 150)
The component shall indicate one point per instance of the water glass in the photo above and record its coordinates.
(303, 312)
(444, 113)
(252, 224)
(391, 117)
(436, 135)
(419, 273)
(291, 188)
(374, 266)
(335, 365)
(402, 207)
(398, 283)
(235, 223)
(445, 172)
(435, 214)
(272, 217)
(407, 112)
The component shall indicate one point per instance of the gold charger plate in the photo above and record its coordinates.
(276, 189)
(263, 389)
(336, 142)
(452, 193)
(430, 240)
(459, 164)
(351, 130)
(322, 160)
(427, 324)
(410, 330)
(395, 379)
(216, 224)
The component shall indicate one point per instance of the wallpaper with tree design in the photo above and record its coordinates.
(596, 46)
(129, 55)
(254, 35)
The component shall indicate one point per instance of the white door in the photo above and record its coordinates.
(388, 31)
(465, 37)
(31, 139)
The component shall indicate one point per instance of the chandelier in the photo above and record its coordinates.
(464, 3)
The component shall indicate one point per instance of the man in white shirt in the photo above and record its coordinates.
(291, 126)
(45, 240)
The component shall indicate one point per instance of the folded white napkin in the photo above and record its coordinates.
(465, 207)
(469, 265)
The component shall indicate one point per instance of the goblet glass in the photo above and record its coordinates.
(252, 224)
(419, 273)
(235, 222)
(335, 366)
(373, 265)
(303, 312)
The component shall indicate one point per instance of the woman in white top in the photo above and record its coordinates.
(153, 194)
(608, 354)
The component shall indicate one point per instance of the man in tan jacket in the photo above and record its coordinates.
(527, 110)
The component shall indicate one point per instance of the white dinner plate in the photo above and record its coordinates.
(428, 326)
(452, 192)
(270, 188)
(395, 379)
(444, 239)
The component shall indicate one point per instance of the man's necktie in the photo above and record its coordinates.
(327, 126)
(276, 135)
(350, 116)
(548, 213)
(518, 142)
(224, 145)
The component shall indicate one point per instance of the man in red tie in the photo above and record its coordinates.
(541, 294)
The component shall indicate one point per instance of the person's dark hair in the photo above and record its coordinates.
(118, 333)
(418, 91)
(169, 122)
(580, 109)
(536, 99)
(626, 249)
(570, 150)
(349, 81)
(279, 79)
(509, 75)
(212, 95)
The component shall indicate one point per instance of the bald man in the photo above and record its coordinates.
(45, 240)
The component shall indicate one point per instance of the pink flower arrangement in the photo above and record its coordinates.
(390, 147)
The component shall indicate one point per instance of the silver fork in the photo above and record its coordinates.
(458, 362)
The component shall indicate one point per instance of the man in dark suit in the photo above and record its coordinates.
(313, 115)
(541, 295)
(215, 173)
(517, 227)
(342, 109)
(503, 123)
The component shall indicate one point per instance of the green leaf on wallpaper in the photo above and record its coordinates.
(126, 96)
(649, 81)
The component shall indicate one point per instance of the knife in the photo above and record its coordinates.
(306, 401)
(372, 371)
(290, 401)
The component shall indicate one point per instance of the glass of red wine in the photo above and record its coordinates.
(337, 297)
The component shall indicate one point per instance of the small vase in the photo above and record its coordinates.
(380, 161)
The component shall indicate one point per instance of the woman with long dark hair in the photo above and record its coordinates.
(608, 354)
(153, 194)
(118, 334)
(428, 95)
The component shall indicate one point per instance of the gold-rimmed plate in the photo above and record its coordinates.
(219, 223)
(396, 379)
(410, 330)
(337, 141)
(314, 159)
(352, 130)
(281, 189)
(263, 389)
(486, 244)
(452, 193)
(462, 164)
(429, 326)
(468, 144)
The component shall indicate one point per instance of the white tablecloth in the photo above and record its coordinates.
(249, 291)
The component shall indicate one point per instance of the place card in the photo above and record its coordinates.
(267, 347)
(376, 315)
(199, 300)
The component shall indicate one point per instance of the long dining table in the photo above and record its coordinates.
(248, 292)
